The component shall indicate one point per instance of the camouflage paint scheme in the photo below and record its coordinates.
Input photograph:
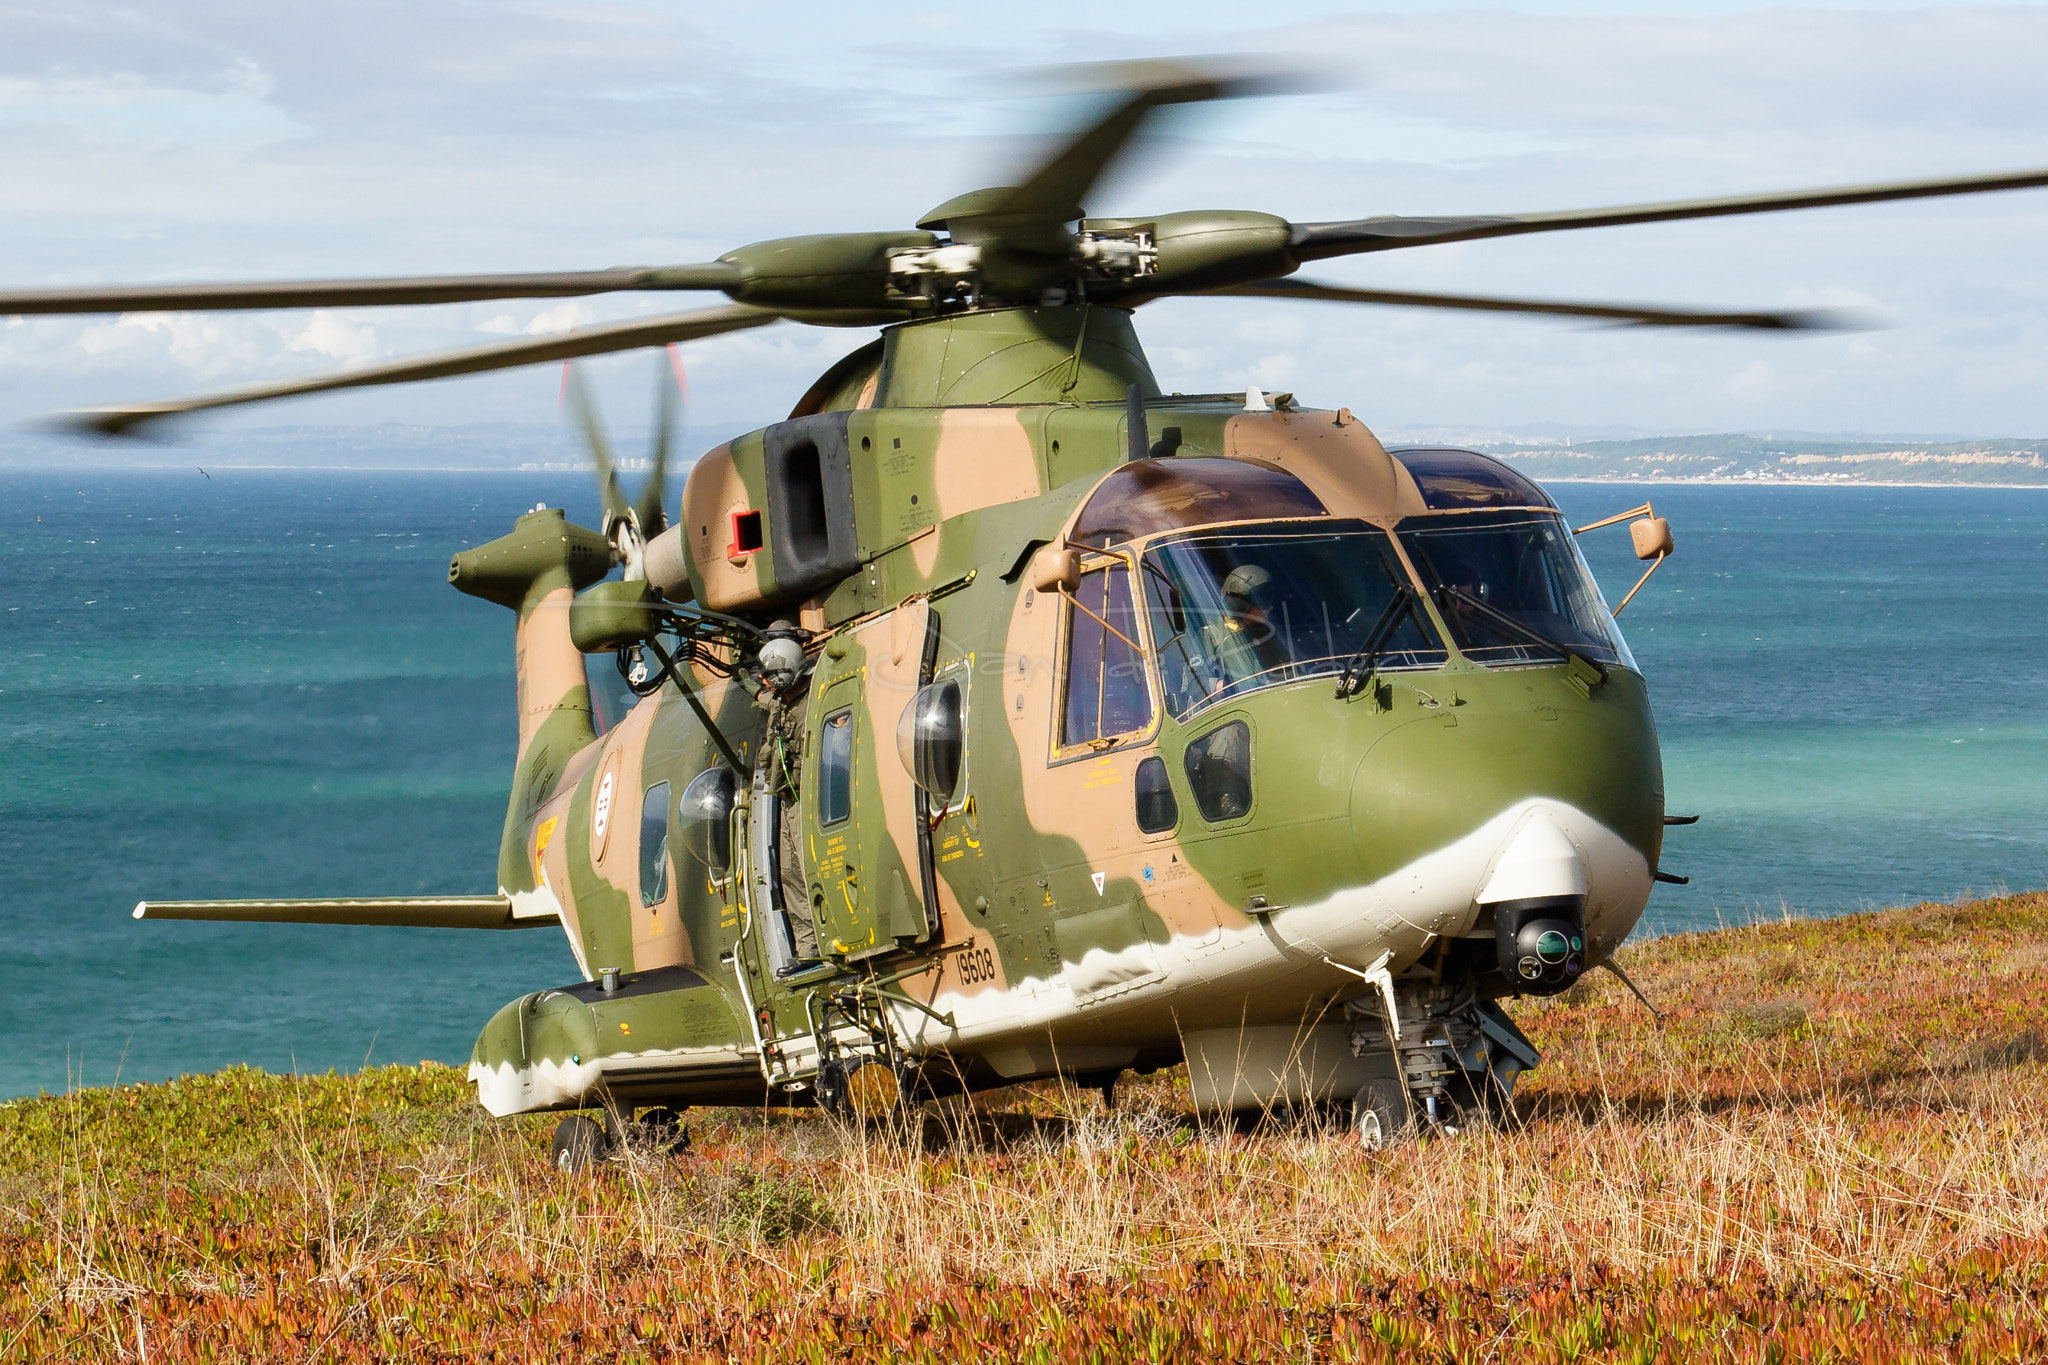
(1064, 939)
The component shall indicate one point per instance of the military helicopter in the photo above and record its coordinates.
(998, 716)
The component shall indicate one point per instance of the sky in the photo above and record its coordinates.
(248, 139)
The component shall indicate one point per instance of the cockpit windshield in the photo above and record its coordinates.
(1513, 588)
(1240, 609)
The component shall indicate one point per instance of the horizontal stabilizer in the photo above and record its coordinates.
(407, 912)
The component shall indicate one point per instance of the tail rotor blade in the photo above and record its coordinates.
(615, 505)
(648, 507)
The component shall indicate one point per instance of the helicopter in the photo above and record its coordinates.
(999, 716)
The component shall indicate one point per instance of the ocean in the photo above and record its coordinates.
(259, 683)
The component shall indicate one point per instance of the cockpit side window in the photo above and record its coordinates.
(654, 845)
(1106, 692)
(1236, 610)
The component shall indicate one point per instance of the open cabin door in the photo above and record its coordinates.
(867, 847)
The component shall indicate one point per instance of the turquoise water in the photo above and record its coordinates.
(261, 684)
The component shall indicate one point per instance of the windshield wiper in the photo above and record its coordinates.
(1355, 677)
(1501, 621)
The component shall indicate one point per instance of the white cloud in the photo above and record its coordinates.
(1755, 380)
(561, 317)
(328, 334)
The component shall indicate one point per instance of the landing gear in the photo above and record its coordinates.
(872, 1089)
(862, 1073)
(1455, 1058)
(661, 1129)
(1380, 1117)
(580, 1143)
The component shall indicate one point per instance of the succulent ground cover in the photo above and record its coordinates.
(1834, 1147)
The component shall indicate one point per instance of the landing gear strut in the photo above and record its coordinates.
(1455, 1057)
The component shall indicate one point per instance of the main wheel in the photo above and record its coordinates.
(872, 1089)
(580, 1143)
(663, 1130)
(1380, 1117)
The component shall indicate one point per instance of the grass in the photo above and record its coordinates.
(1835, 1147)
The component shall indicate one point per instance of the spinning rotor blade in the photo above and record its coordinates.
(1808, 320)
(1320, 241)
(600, 449)
(1032, 217)
(647, 507)
(184, 298)
(617, 336)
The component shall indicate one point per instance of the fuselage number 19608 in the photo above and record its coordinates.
(976, 965)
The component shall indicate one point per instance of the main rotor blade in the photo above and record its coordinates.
(1808, 320)
(1320, 241)
(1033, 216)
(617, 336)
(183, 298)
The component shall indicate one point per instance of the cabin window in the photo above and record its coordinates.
(1157, 810)
(654, 845)
(1220, 771)
(835, 769)
(704, 818)
(931, 739)
(1107, 695)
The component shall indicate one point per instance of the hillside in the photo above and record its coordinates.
(1834, 1147)
(1752, 459)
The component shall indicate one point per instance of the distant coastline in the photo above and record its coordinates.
(1639, 480)
(1739, 459)
(1722, 460)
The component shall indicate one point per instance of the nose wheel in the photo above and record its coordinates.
(1380, 1117)
(1455, 1060)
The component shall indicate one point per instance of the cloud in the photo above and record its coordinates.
(202, 139)
(328, 334)
(561, 317)
(1755, 380)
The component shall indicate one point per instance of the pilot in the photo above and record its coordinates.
(1248, 627)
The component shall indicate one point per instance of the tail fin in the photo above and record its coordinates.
(537, 571)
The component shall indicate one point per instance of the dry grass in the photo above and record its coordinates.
(1835, 1147)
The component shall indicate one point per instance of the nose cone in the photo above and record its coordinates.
(1512, 788)
(1540, 862)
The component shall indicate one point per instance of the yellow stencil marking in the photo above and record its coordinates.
(540, 848)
